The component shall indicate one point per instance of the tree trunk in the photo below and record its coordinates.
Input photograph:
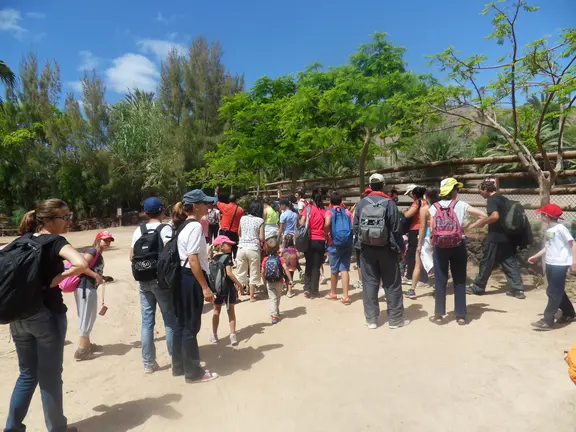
(363, 158)
(258, 185)
(294, 175)
(545, 186)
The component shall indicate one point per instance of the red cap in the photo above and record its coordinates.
(551, 210)
(104, 235)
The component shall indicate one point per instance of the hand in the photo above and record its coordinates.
(208, 295)
(419, 249)
(238, 286)
(291, 284)
(99, 279)
(532, 260)
(56, 281)
(401, 258)
(573, 268)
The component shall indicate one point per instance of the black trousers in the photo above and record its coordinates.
(314, 260)
(234, 237)
(495, 254)
(213, 230)
(185, 352)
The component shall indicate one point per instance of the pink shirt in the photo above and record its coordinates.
(204, 223)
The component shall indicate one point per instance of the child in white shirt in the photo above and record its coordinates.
(560, 250)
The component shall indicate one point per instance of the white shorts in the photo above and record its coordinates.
(87, 309)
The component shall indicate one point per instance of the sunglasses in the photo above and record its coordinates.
(64, 218)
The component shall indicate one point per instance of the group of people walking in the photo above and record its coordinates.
(177, 271)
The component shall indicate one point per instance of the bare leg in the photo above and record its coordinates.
(232, 319)
(216, 318)
(417, 271)
(345, 283)
(252, 291)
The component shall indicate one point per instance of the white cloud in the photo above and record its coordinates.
(172, 36)
(132, 71)
(76, 86)
(89, 61)
(161, 18)
(36, 15)
(10, 22)
(160, 48)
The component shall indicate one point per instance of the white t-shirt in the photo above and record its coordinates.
(191, 241)
(301, 205)
(558, 249)
(461, 208)
(250, 232)
(165, 234)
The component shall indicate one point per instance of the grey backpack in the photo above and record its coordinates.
(373, 229)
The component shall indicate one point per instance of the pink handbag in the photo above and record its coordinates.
(70, 284)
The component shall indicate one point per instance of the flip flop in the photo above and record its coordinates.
(436, 320)
(330, 296)
(346, 301)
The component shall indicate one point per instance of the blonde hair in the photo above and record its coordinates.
(33, 221)
(180, 213)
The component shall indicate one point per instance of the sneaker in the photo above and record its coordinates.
(213, 338)
(371, 326)
(399, 325)
(381, 292)
(542, 325)
(151, 369)
(233, 339)
(422, 285)
(274, 320)
(406, 281)
(411, 294)
(565, 319)
(358, 285)
(517, 294)
(474, 290)
(208, 376)
(83, 354)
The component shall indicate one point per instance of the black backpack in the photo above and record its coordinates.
(218, 278)
(514, 220)
(20, 284)
(169, 266)
(146, 251)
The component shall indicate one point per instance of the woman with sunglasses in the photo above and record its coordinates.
(39, 338)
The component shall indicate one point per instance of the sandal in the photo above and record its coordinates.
(254, 299)
(290, 294)
(331, 296)
(438, 320)
(346, 301)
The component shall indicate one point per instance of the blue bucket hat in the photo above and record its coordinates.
(197, 196)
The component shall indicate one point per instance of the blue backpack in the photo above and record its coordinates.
(341, 228)
(273, 270)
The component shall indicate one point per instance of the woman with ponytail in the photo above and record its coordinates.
(315, 253)
(194, 289)
(39, 338)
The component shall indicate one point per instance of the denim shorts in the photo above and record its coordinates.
(339, 259)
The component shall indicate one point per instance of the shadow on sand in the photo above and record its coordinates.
(129, 415)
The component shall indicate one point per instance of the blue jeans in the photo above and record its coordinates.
(150, 296)
(557, 298)
(39, 344)
(456, 260)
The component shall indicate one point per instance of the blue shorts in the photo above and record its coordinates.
(339, 259)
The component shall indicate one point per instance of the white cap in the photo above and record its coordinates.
(376, 178)
(410, 188)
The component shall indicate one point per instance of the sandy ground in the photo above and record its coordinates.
(319, 369)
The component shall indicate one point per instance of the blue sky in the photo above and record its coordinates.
(125, 40)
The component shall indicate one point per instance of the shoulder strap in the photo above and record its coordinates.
(437, 206)
(453, 204)
(143, 229)
(43, 239)
(186, 222)
(96, 256)
(370, 200)
(233, 217)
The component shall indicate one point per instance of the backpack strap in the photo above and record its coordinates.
(143, 229)
(233, 217)
(453, 204)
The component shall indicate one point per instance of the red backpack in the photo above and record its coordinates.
(446, 229)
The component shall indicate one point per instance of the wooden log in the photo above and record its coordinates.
(458, 162)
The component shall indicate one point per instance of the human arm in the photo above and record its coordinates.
(393, 223)
(327, 227)
(534, 258)
(424, 214)
(131, 254)
(89, 272)
(261, 233)
(76, 260)
(477, 213)
(412, 210)
(232, 277)
(287, 273)
(199, 275)
(573, 246)
(493, 218)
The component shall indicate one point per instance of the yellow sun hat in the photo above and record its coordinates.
(448, 184)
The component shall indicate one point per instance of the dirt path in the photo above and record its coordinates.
(319, 369)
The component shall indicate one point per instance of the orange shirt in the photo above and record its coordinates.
(416, 218)
(227, 211)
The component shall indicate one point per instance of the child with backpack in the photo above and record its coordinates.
(338, 231)
(274, 272)
(86, 295)
(447, 238)
(560, 251)
(226, 286)
(290, 255)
